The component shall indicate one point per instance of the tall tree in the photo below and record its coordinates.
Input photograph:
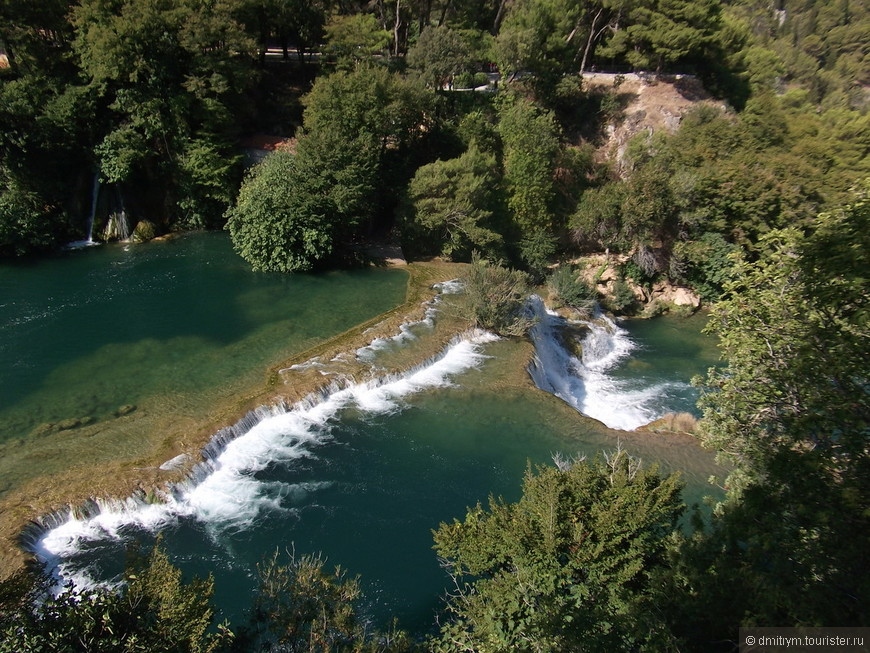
(169, 74)
(454, 205)
(791, 413)
(567, 567)
(531, 144)
(440, 54)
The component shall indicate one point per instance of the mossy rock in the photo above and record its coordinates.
(145, 230)
(74, 423)
(126, 409)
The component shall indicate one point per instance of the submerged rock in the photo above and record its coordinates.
(126, 409)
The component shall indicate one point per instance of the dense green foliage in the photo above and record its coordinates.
(299, 606)
(455, 204)
(495, 297)
(750, 203)
(791, 411)
(570, 290)
(155, 611)
(567, 568)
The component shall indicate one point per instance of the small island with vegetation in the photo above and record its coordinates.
(637, 157)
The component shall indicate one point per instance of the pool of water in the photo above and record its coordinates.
(166, 328)
(368, 484)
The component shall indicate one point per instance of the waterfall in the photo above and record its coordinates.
(95, 194)
(117, 227)
(583, 380)
(223, 491)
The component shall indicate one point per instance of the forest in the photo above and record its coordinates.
(761, 204)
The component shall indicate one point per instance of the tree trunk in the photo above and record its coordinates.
(382, 14)
(592, 37)
(499, 16)
(444, 12)
(396, 26)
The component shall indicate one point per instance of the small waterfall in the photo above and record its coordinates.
(408, 330)
(117, 227)
(583, 380)
(95, 195)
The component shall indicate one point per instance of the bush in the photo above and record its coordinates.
(463, 80)
(536, 250)
(623, 300)
(495, 297)
(571, 290)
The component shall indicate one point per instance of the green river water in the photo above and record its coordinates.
(364, 484)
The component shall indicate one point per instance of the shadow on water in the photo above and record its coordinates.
(91, 330)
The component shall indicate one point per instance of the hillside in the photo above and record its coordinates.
(648, 103)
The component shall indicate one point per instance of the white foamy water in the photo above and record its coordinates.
(408, 330)
(223, 492)
(586, 384)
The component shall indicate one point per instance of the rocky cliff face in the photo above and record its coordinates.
(650, 103)
(601, 271)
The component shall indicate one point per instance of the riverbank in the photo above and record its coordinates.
(120, 471)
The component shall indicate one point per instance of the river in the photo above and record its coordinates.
(364, 473)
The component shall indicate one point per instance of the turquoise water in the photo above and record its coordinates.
(110, 353)
(173, 327)
(370, 487)
(89, 331)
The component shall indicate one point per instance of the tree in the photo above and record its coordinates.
(440, 54)
(369, 101)
(531, 145)
(658, 33)
(169, 75)
(791, 412)
(792, 327)
(302, 607)
(536, 36)
(354, 39)
(454, 205)
(156, 611)
(293, 207)
(567, 567)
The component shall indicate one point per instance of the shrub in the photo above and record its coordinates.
(463, 80)
(571, 290)
(495, 297)
(623, 300)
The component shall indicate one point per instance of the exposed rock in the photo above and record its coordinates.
(672, 423)
(73, 423)
(145, 230)
(665, 291)
(652, 103)
(602, 272)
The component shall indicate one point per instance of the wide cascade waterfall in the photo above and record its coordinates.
(224, 492)
(573, 360)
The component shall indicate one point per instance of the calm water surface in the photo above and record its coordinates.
(88, 331)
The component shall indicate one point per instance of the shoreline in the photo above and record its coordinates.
(125, 476)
